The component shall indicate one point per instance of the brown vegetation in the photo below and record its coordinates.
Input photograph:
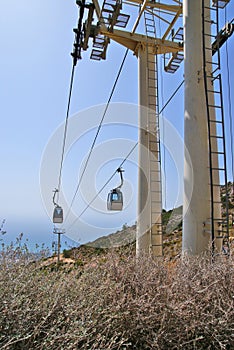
(116, 302)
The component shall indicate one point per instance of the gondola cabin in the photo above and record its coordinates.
(115, 200)
(58, 215)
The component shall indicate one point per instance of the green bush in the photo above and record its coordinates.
(67, 253)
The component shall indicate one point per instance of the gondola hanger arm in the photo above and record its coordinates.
(120, 171)
(55, 191)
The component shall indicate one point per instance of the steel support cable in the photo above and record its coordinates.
(130, 152)
(97, 133)
(76, 56)
(102, 188)
(65, 130)
(170, 98)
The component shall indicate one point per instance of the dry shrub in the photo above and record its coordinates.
(118, 304)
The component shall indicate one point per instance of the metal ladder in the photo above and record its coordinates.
(218, 223)
(155, 193)
(172, 61)
(111, 17)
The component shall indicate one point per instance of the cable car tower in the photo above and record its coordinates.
(203, 128)
(145, 47)
(204, 224)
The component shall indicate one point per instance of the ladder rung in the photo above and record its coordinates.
(217, 152)
(215, 106)
(149, 20)
(214, 91)
(216, 121)
(210, 35)
(150, 30)
(156, 152)
(210, 8)
(211, 76)
(216, 63)
(177, 60)
(148, 17)
(220, 169)
(216, 69)
(156, 171)
(214, 78)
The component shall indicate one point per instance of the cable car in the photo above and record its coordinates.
(115, 200)
(58, 215)
(58, 211)
(115, 196)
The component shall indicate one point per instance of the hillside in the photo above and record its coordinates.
(172, 234)
(123, 243)
(126, 237)
(124, 240)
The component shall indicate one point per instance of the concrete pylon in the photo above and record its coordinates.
(149, 231)
(197, 206)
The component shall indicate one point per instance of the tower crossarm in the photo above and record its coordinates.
(139, 16)
(110, 16)
(160, 6)
(97, 9)
(133, 41)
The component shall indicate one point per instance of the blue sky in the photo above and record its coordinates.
(36, 40)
